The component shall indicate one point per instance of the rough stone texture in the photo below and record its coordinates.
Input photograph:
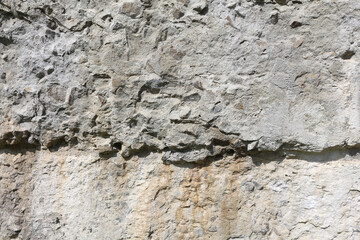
(74, 195)
(179, 119)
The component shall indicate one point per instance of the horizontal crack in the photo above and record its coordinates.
(192, 154)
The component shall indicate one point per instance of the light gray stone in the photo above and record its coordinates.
(144, 119)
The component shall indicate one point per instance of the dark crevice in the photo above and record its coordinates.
(184, 148)
(286, 151)
(220, 142)
(152, 86)
(260, 2)
(17, 139)
(281, 2)
(295, 24)
(117, 145)
(77, 28)
(81, 26)
(101, 75)
(73, 142)
(53, 19)
(220, 147)
(57, 143)
(143, 151)
(107, 155)
(15, 234)
(13, 13)
(6, 15)
(199, 164)
(347, 55)
(6, 40)
(204, 11)
(14, 150)
(184, 121)
(326, 155)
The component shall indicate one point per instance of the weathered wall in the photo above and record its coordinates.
(179, 119)
(74, 195)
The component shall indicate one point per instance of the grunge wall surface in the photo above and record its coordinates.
(179, 119)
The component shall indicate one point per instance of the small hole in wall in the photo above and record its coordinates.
(117, 145)
(230, 152)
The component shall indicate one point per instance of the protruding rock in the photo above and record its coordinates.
(232, 4)
(178, 14)
(131, 8)
(274, 18)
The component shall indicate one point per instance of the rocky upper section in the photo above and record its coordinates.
(189, 79)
